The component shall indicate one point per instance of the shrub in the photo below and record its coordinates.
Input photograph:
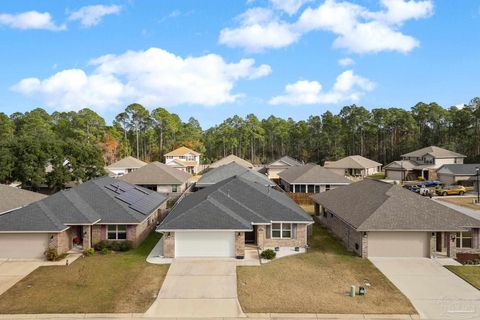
(105, 251)
(89, 252)
(51, 254)
(114, 245)
(268, 254)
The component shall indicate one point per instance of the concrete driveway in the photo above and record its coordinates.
(13, 271)
(200, 288)
(434, 291)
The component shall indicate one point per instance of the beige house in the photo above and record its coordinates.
(220, 220)
(464, 174)
(421, 163)
(377, 219)
(159, 177)
(124, 166)
(184, 159)
(277, 166)
(78, 218)
(354, 166)
(228, 159)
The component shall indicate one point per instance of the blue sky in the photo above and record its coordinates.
(214, 59)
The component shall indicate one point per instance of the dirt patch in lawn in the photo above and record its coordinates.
(117, 282)
(471, 274)
(319, 282)
(462, 201)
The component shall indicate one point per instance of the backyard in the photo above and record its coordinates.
(319, 282)
(115, 282)
(462, 201)
(471, 274)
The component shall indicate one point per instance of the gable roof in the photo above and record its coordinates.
(127, 162)
(459, 169)
(182, 151)
(13, 198)
(104, 200)
(401, 165)
(157, 173)
(353, 162)
(284, 162)
(372, 205)
(233, 204)
(231, 158)
(179, 163)
(312, 173)
(230, 170)
(435, 152)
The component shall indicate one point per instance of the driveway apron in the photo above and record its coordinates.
(203, 288)
(13, 271)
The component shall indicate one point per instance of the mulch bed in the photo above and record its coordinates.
(464, 257)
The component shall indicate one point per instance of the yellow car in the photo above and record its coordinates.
(450, 190)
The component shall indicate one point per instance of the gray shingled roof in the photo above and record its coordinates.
(229, 170)
(228, 159)
(353, 162)
(372, 205)
(436, 152)
(312, 173)
(127, 162)
(289, 162)
(233, 204)
(13, 198)
(103, 200)
(157, 173)
(401, 164)
(459, 169)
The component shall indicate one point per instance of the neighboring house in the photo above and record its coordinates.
(378, 219)
(421, 163)
(124, 166)
(354, 166)
(184, 159)
(277, 166)
(228, 159)
(100, 209)
(219, 220)
(159, 177)
(230, 170)
(13, 198)
(310, 178)
(465, 174)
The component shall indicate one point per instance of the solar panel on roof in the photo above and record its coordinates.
(130, 196)
(146, 205)
(112, 188)
(142, 190)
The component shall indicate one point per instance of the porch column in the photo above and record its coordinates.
(451, 245)
(433, 244)
(475, 238)
(86, 234)
(240, 245)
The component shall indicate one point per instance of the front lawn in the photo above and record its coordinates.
(462, 201)
(471, 274)
(319, 282)
(117, 282)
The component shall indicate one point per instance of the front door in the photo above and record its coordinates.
(439, 242)
(250, 237)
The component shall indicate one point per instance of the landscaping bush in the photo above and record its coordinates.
(114, 245)
(51, 254)
(268, 254)
(89, 252)
(105, 251)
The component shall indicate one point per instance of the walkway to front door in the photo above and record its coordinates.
(198, 288)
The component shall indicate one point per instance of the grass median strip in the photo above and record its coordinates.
(471, 274)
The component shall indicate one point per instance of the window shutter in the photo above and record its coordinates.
(268, 232)
(294, 231)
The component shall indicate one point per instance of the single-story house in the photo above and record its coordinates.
(78, 218)
(124, 166)
(310, 178)
(12, 198)
(230, 170)
(159, 177)
(279, 165)
(220, 220)
(378, 219)
(421, 163)
(184, 159)
(465, 174)
(228, 159)
(354, 166)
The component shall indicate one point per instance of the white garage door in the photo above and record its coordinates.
(23, 245)
(205, 244)
(398, 244)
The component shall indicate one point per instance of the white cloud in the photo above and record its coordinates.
(152, 77)
(345, 62)
(289, 6)
(259, 29)
(358, 29)
(30, 20)
(92, 15)
(348, 87)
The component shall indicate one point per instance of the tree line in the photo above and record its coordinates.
(38, 148)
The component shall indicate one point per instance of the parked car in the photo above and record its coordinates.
(451, 190)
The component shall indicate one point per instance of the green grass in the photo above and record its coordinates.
(377, 176)
(319, 282)
(471, 274)
(116, 282)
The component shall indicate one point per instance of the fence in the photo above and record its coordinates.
(301, 198)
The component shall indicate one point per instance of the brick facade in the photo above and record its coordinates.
(300, 240)
(60, 242)
(240, 244)
(169, 245)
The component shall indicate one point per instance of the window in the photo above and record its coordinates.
(311, 188)
(317, 189)
(464, 239)
(174, 188)
(281, 231)
(327, 187)
(117, 232)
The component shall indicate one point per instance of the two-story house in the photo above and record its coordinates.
(184, 159)
(421, 163)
